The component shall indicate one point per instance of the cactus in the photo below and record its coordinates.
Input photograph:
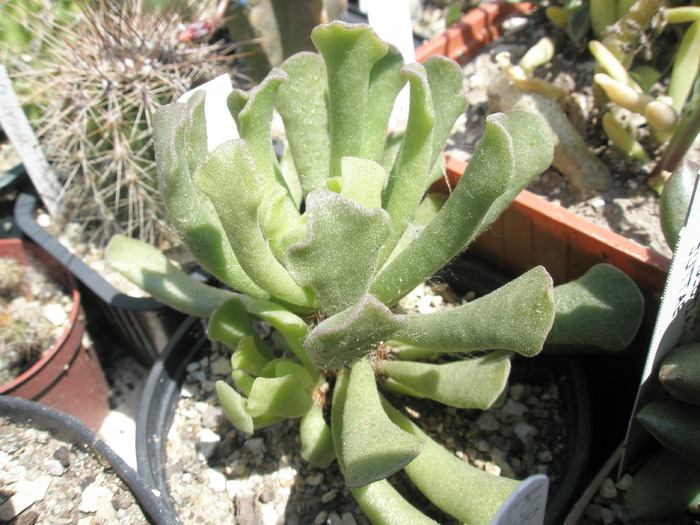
(91, 90)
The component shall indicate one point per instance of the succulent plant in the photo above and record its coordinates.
(669, 481)
(322, 243)
(91, 89)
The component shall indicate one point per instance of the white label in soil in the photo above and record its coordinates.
(678, 321)
(527, 503)
(220, 124)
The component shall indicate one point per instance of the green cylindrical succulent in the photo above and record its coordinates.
(324, 247)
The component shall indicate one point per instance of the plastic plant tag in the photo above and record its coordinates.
(391, 20)
(527, 503)
(678, 322)
(220, 125)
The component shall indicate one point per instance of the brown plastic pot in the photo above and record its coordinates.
(533, 231)
(69, 377)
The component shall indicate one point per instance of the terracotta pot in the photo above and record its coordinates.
(533, 231)
(142, 323)
(69, 377)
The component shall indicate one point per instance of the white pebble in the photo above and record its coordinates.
(513, 411)
(54, 467)
(216, 479)
(607, 489)
(208, 441)
(221, 366)
(624, 482)
(55, 314)
(88, 500)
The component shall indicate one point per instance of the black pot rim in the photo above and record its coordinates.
(167, 375)
(71, 429)
(25, 205)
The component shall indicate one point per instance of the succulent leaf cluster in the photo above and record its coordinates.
(323, 242)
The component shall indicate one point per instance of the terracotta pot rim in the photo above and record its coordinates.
(71, 285)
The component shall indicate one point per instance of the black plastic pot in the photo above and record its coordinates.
(69, 429)
(143, 323)
(167, 375)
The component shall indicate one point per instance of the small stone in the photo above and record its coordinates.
(321, 518)
(314, 480)
(348, 519)
(545, 456)
(607, 516)
(54, 467)
(62, 454)
(483, 446)
(55, 314)
(624, 482)
(487, 422)
(216, 479)
(593, 511)
(598, 202)
(329, 496)
(220, 366)
(516, 391)
(255, 446)
(512, 411)
(607, 489)
(211, 416)
(88, 499)
(208, 441)
(524, 431)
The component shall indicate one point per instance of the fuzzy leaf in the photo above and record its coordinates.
(516, 317)
(533, 151)
(445, 80)
(316, 438)
(679, 373)
(468, 383)
(383, 505)
(248, 356)
(368, 445)
(674, 424)
(427, 209)
(291, 326)
(363, 181)
(385, 83)
(234, 404)
(487, 176)
(229, 323)
(603, 308)
(409, 176)
(301, 103)
(337, 270)
(285, 396)
(231, 165)
(146, 267)
(180, 143)
(243, 381)
(351, 334)
(663, 488)
(350, 52)
(278, 213)
(466, 492)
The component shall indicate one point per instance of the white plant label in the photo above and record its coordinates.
(20, 133)
(677, 322)
(527, 503)
(391, 20)
(220, 124)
